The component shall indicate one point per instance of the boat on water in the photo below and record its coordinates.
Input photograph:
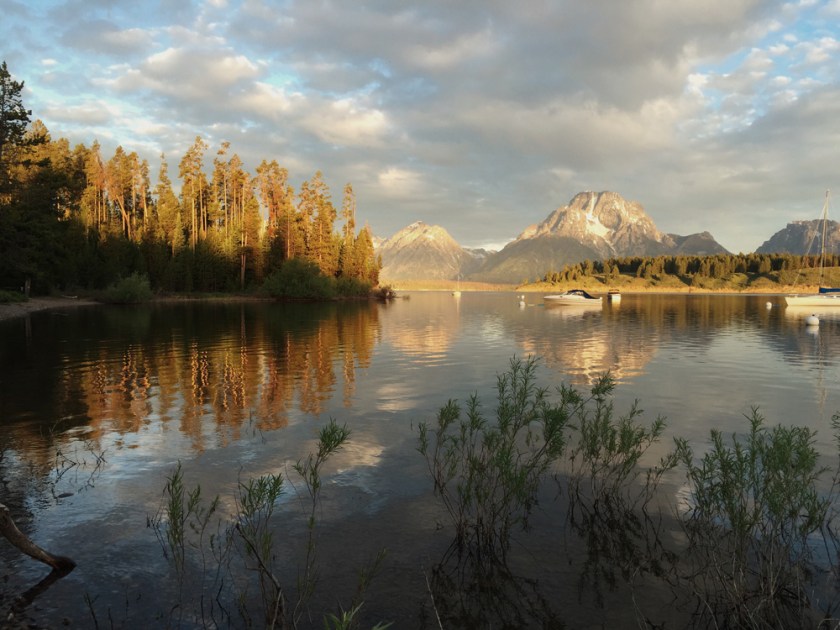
(826, 296)
(573, 296)
(614, 295)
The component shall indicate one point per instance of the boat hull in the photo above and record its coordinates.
(570, 299)
(815, 300)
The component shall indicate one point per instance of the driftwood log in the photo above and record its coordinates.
(22, 542)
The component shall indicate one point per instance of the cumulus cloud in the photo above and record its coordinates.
(398, 182)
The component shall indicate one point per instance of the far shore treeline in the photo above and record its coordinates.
(715, 272)
(75, 219)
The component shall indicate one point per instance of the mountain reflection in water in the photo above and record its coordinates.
(234, 391)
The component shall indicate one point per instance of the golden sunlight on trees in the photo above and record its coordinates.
(75, 218)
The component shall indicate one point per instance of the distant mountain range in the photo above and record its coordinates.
(594, 226)
(803, 237)
(427, 252)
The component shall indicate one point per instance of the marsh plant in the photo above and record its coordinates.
(488, 473)
(185, 516)
(607, 451)
(331, 439)
(182, 520)
(255, 502)
(753, 525)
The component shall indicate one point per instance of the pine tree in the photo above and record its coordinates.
(14, 118)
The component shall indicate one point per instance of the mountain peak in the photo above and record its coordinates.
(419, 231)
(425, 251)
(603, 221)
(593, 225)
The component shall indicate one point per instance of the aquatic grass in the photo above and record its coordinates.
(331, 439)
(183, 518)
(255, 501)
(487, 474)
(607, 451)
(182, 511)
(756, 510)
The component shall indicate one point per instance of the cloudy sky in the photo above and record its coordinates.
(481, 116)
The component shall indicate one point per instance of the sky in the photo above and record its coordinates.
(480, 116)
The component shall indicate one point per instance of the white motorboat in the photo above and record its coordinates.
(574, 296)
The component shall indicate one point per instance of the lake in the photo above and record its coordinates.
(98, 406)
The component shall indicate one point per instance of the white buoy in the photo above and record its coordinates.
(769, 305)
(812, 320)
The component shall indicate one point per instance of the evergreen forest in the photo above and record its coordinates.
(73, 218)
(716, 272)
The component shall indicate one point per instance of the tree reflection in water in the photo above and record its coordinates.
(471, 591)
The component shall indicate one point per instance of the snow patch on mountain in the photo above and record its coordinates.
(604, 222)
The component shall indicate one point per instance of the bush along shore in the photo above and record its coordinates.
(297, 279)
(748, 542)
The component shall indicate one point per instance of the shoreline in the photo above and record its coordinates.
(14, 310)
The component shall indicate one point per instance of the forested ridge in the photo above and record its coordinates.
(720, 271)
(74, 218)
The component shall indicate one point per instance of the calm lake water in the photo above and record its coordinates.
(99, 404)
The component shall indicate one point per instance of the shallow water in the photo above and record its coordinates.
(99, 404)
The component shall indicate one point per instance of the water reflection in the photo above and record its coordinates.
(209, 372)
(472, 594)
(428, 335)
(238, 388)
(209, 369)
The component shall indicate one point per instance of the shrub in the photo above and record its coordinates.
(385, 292)
(607, 451)
(130, 290)
(244, 547)
(351, 287)
(488, 474)
(299, 278)
(9, 297)
(755, 508)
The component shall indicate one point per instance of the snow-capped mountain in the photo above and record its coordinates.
(593, 225)
(606, 223)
